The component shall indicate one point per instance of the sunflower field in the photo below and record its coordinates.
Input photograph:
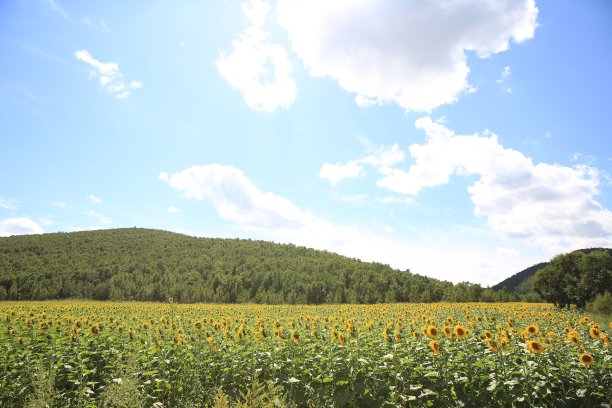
(104, 354)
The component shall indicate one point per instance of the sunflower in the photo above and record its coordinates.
(432, 331)
(492, 345)
(534, 346)
(487, 334)
(448, 331)
(532, 329)
(435, 346)
(211, 342)
(460, 332)
(586, 359)
(594, 332)
(504, 342)
(574, 337)
(341, 339)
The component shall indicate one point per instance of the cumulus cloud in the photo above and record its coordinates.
(413, 53)
(236, 198)
(173, 210)
(109, 75)
(19, 226)
(550, 204)
(268, 216)
(256, 67)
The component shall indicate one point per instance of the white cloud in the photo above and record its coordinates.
(8, 204)
(259, 69)
(507, 251)
(173, 210)
(265, 215)
(382, 158)
(338, 172)
(412, 53)
(19, 226)
(54, 6)
(109, 75)
(236, 198)
(504, 77)
(102, 219)
(395, 200)
(548, 204)
(94, 199)
(60, 204)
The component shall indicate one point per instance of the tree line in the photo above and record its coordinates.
(575, 278)
(151, 265)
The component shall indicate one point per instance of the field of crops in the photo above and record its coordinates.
(86, 354)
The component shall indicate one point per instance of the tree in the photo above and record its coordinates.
(574, 278)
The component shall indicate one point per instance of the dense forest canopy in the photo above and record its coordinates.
(575, 278)
(153, 265)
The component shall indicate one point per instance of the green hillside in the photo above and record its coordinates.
(521, 283)
(152, 265)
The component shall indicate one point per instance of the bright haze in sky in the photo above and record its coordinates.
(463, 140)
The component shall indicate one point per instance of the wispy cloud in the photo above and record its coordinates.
(382, 158)
(102, 219)
(335, 173)
(99, 25)
(94, 199)
(109, 75)
(502, 81)
(8, 204)
(256, 67)
(173, 210)
(54, 6)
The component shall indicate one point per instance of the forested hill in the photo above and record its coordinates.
(522, 282)
(152, 265)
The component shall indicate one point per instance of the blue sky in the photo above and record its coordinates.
(459, 140)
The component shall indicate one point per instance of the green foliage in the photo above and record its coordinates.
(574, 278)
(343, 357)
(521, 282)
(601, 304)
(151, 265)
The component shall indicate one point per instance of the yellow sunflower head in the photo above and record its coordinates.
(587, 359)
(532, 329)
(435, 346)
(432, 331)
(534, 346)
(460, 332)
(594, 332)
